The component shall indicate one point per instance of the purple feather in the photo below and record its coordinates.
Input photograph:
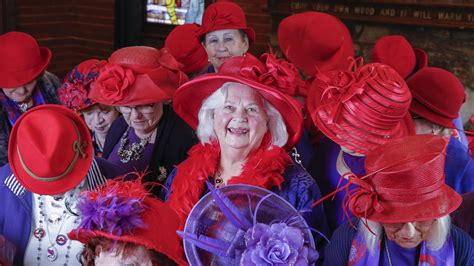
(229, 209)
(212, 245)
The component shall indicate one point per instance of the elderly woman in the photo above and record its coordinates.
(140, 230)
(244, 127)
(74, 95)
(224, 33)
(24, 81)
(403, 205)
(149, 136)
(437, 99)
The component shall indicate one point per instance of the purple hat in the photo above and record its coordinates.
(232, 225)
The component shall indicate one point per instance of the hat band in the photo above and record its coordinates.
(77, 146)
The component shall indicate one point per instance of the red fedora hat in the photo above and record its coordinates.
(50, 149)
(149, 222)
(406, 182)
(315, 40)
(21, 59)
(247, 70)
(137, 75)
(74, 92)
(186, 48)
(437, 95)
(361, 110)
(222, 16)
(396, 52)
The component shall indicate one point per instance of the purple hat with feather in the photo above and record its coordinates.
(246, 225)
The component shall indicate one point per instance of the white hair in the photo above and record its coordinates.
(205, 129)
(435, 240)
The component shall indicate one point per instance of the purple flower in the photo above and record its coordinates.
(276, 244)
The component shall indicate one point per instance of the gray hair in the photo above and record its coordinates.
(205, 129)
(436, 238)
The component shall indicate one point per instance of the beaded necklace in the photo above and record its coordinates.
(134, 150)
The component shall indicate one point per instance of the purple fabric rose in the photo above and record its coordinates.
(276, 244)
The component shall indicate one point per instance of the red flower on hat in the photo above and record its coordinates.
(282, 75)
(114, 81)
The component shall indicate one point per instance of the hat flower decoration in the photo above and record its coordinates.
(282, 241)
(73, 93)
(114, 81)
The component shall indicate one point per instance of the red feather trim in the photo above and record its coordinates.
(264, 168)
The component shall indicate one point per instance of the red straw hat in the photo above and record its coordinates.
(74, 92)
(222, 16)
(133, 216)
(21, 59)
(437, 95)
(315, 40)
(183, 44)
(137, 75)
(406, 184)
(247, 70)
(50, 149)
(361, 110)
(397, 52)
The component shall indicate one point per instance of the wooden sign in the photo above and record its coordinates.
(428, 13)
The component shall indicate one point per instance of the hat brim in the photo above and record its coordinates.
(15, 78)
(421, 59)
(64, 184)
(400, 212)
(189, 97)
(419, 109)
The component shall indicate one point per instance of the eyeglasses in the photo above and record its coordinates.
(420, 225)
(143, 109)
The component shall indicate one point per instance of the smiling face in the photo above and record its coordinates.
(21, 93)
(220, 45)
(408, 235)
(241, 122)
(99, 118)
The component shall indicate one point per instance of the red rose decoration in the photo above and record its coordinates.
(114, 81)
(282, 75)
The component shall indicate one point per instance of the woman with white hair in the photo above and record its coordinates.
(403, 206)
(244, 127)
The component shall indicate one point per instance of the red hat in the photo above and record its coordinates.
(315, 40)
(437, 95)
(249, 71)
(137, 75)
(21, 59)
(222, 16)
(50, 149)
(406, 182)
(397, 52)
(133, 216)
(73, 93)
(183, 44)
(361, 110)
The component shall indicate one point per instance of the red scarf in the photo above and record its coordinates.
(263, 168)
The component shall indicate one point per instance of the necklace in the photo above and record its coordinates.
(388, 253)
(23, 106)
(218, 180)
(132, 153)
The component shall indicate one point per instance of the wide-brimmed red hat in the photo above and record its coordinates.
(50, 149)
(437, 95)
(315, 40)
(247, 70)
(133, 216)
(222, 16)
(74, 92)
(406, 182)
(363, 109)
(397, 52)
(186, 48)
(137, 75)
(21, 59)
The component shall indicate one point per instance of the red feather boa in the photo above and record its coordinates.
(263, 168)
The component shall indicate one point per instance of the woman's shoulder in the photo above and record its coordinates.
(463, 246)
(339, 248)
(295, 174)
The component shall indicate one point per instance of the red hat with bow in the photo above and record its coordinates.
(222, 16)
(363, 109)
(137, 75)
(21, 59)
(250, 71)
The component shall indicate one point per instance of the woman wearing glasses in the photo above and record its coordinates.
(139, 81)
